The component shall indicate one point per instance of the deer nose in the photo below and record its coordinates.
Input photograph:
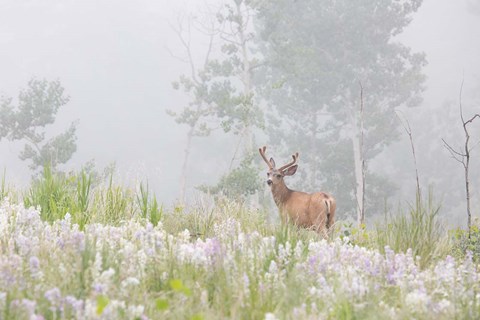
(269, 182)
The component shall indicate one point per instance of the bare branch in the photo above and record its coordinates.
(472, 118)
(173, 55)
(186, 44)
(455, 154)
(408, 130)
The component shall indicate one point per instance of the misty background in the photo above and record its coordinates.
(117, 61)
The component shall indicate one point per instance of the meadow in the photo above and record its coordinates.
(72, 248)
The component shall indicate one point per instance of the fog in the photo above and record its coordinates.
(117, 61)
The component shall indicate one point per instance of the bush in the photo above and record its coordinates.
(464, 245)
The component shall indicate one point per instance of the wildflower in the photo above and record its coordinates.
(135, 312)
(418, 301)
(76, 305)
(53, 296)
(34, 264)
(270, 316)
(29, 306)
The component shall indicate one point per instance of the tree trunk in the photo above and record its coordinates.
(313, 150)
(357, 136)
(359, 179)
(467, 187)
(183, 177)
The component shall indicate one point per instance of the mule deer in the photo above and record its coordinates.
(308, 210)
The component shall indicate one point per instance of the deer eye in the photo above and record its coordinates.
(278, 176)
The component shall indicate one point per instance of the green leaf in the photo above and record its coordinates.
(161, 304)
(102, 302)
(176, 285)
(186, 291)
(197, 317)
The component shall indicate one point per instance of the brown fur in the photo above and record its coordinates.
(307, 210)
(315, 210)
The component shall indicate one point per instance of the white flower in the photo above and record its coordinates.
(418, 300)
(270, 316)
(130, 281)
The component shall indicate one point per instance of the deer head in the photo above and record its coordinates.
(275, 176)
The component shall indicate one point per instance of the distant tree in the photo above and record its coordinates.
(317, 52)
(239, 183)
(37, 108)
(238, 107)
(199, 111)
(222, 89)
(462, 155)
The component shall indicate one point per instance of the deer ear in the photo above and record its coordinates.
(290, 171)
(272, 162)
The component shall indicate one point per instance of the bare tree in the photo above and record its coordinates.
(408, 130)
(463, 156)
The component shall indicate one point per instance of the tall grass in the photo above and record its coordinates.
(3, 187)
(419, 230)
(113, 204)
(52, 193)
(88, 200)
(149, 208)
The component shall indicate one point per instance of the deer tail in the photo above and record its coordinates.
(327, 205)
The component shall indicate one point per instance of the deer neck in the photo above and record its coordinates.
(280, 193)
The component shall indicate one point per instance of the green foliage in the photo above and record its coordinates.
(52, 193)
(86, 200)
(239, 183)
(113, 203)
(37, 108)
(102, 302)
(463, 245)
(418, 230)
(161, 304)
(177, 286)
(3, 189)
(57, 194)
(84, 184)
(149, 207)
(6, 191)
(360, 236)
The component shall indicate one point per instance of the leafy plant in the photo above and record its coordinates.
(463, 245)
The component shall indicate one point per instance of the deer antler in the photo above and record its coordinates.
(262, 153)
(295, 158)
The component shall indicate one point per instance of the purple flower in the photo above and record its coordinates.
(34, 263)
(54, 296)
